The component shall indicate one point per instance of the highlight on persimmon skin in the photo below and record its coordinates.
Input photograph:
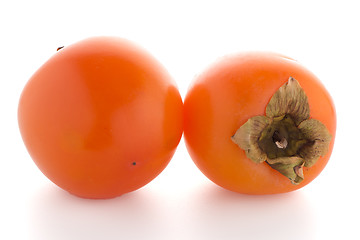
(259, 123)
(101, 118)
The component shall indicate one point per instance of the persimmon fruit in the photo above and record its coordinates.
(101, 117)
(259, 123)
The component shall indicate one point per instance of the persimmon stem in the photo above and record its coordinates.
(279, 140)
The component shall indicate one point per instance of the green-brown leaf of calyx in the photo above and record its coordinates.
(290, 100)
(285, 138)
(318, 141)
(247, 136)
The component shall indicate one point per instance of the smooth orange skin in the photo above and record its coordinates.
(224, 97)
(101, 117)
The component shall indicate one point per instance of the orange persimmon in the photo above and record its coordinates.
(259, 123)
(101, 117)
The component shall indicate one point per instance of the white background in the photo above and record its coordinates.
(186, 36)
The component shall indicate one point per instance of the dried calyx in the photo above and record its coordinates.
(285, 138)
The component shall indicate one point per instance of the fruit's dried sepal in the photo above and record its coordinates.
(290, 99)
(285, 138)
(247, 136)
(291, 167)
(318, 137)
(299, 170)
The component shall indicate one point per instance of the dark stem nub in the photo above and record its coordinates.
(279, 140)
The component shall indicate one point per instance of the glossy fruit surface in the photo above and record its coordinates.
(101, 117)
(228, 94)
